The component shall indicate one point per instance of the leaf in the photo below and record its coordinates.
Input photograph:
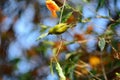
(51, 68)
(42, 36)
(101, 43)
(118, 74)
(60, 72)
(43, 27)
(66, 17)
(26, 76)
(115, 43)
(100, 4)
(86, 1)
(54, 51)
(109, 32)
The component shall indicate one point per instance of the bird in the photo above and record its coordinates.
(59, 28)
(56, 30)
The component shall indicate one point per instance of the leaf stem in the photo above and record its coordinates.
(103, 68)
(62, 11)
(61, 43)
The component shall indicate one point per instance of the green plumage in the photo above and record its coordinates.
(58, 29)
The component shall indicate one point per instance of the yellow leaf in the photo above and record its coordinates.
(60, 72)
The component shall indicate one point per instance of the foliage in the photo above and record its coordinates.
(94, 55)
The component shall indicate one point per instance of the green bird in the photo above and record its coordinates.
(59, 28)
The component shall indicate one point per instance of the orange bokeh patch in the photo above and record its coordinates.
(53, 7)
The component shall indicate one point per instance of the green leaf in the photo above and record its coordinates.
(115, 43)
(54, 51)
(109, 32)
(100, 4)
(51, 68)
(65, 18)
(118, 74)
(60, 72)
(43, 27)
(101, 43)
(86, 1)
(42, 36)
(26, 76)
(71, 10)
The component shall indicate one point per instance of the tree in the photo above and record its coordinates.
(75, 40)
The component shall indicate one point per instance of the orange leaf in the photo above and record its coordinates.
(79, 37)
(53, 7)
(54, 14)
(71, 19)
(89, 29)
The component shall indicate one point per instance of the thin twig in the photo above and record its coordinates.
(61, 43)
(60, 22)
(100, 16)
(111, 45)
(116, 52)
(85, 65)
(62, 11)
(94, 76)
(103, 68)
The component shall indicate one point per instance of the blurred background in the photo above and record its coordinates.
(24, 58)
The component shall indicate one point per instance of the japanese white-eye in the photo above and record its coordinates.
(59, 28)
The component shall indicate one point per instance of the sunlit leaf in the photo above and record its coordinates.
(42, 36)
(86, 1)
(43, 27)
(118, 74)
(60, 72)
(69, 54)
(101, 43)
(109, 32)
(46, 42)
(54, 51)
